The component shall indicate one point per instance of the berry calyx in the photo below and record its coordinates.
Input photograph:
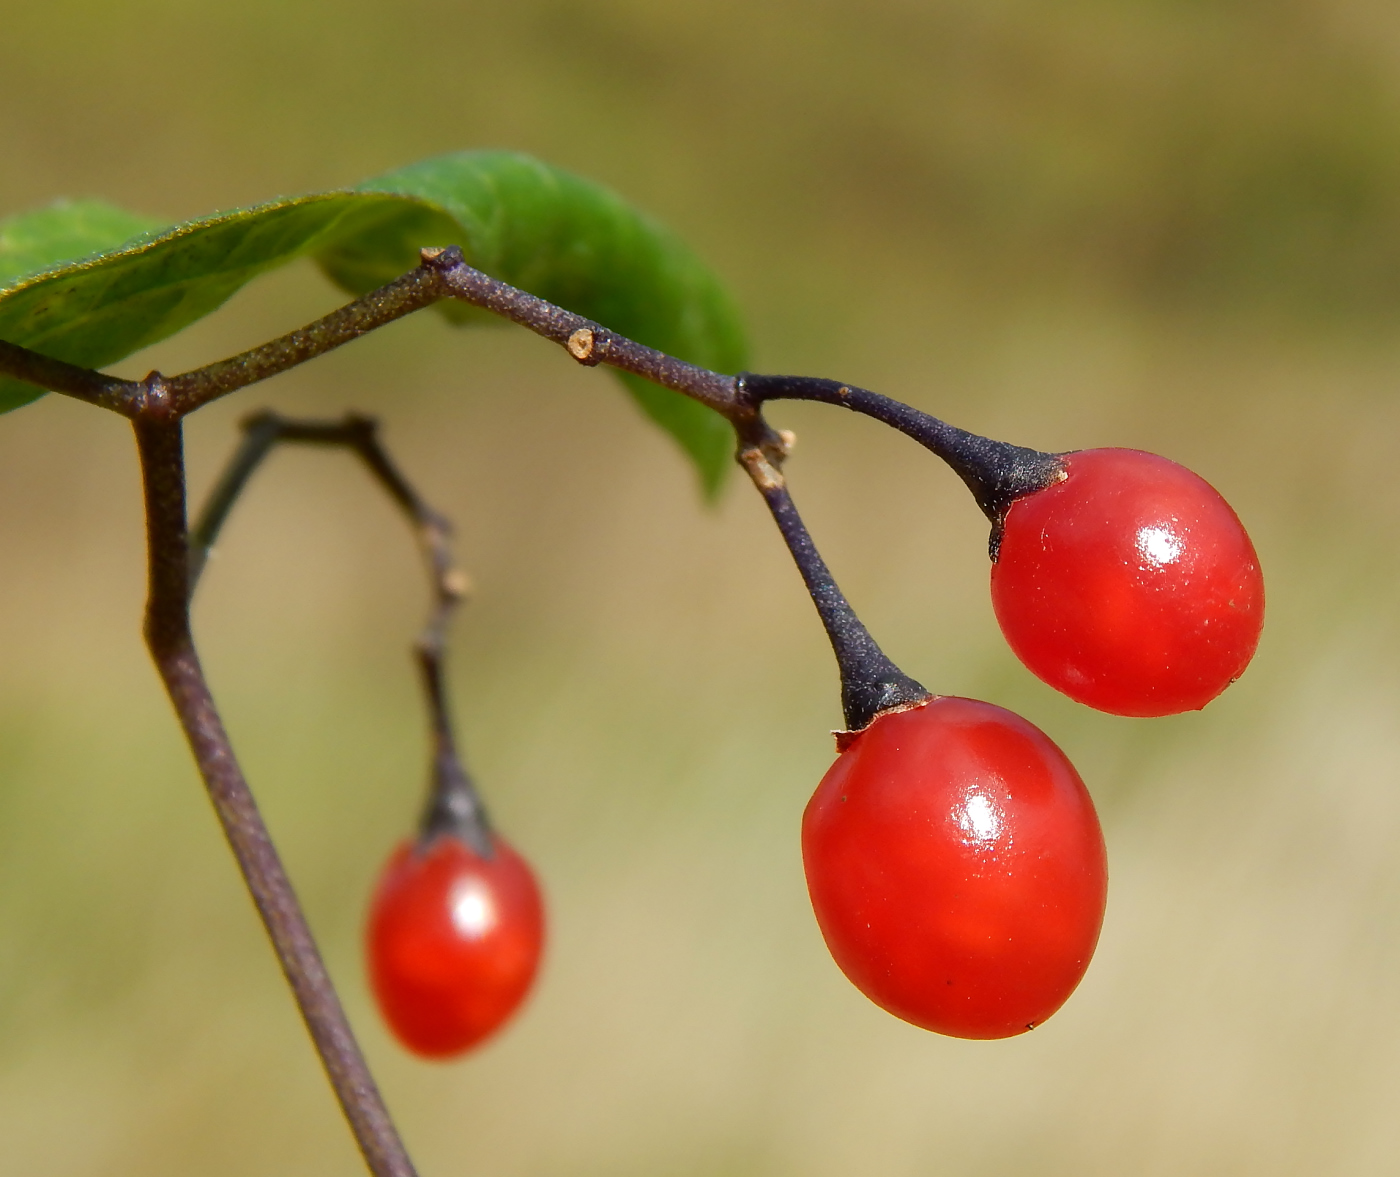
(956, 868)
(1130, 585)
(454, 942)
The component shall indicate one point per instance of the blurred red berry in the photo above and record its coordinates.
(454, 941)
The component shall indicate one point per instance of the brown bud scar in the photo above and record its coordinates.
(456, 582)
(431, 253)
(788, 438)
(580, 343)
(765, 475)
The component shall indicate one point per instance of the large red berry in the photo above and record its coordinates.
(454, 941)
(956, 868)
(1129, 585)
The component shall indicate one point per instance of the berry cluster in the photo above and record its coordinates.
(953, 856)
(954, 860)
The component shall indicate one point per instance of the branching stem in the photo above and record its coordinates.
(159, 442)
(996, 473)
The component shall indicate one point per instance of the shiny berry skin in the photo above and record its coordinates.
(1130, 585)
(956, 868)
(454, 942)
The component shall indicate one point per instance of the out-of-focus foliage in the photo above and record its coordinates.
(1166, 148)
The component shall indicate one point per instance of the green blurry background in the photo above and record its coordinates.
(1168, 224)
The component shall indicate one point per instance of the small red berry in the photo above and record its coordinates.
(1129, 585)
(454, 941)
(956, 868)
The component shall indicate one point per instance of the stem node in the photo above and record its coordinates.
(581, 346)
(766, 476)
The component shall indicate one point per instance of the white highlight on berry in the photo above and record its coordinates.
(979, 818)
(1160, 545)
(472, 912)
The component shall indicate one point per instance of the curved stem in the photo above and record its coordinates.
(454, 806)
(260, 434)
(159, 443)
(996, 472)
(411, 292)
(870, 683)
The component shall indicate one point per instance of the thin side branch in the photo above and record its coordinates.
(586, 341)
(454, 805)
(260, 434)
(191, 390)
(159, 442)
(412, 292)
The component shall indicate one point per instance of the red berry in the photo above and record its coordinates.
(1130, 585)
(454, 942)
(956, 868)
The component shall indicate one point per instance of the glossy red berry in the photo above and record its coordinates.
(956, 868)
(454, 942)
(1129, 585)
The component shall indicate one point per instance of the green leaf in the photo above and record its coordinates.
(65, 230)
(577, 244)
(100, 309)
(547, 231)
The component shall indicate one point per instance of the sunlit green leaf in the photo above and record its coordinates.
(90, 284)
(63, 232)
(100, 309)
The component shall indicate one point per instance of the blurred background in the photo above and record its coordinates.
(1156, 223)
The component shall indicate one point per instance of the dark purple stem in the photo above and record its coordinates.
(870, 683)
(996, 472)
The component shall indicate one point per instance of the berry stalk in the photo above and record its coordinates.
(456, 925)
(453, 804)
(996, 472)
(870, 683)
